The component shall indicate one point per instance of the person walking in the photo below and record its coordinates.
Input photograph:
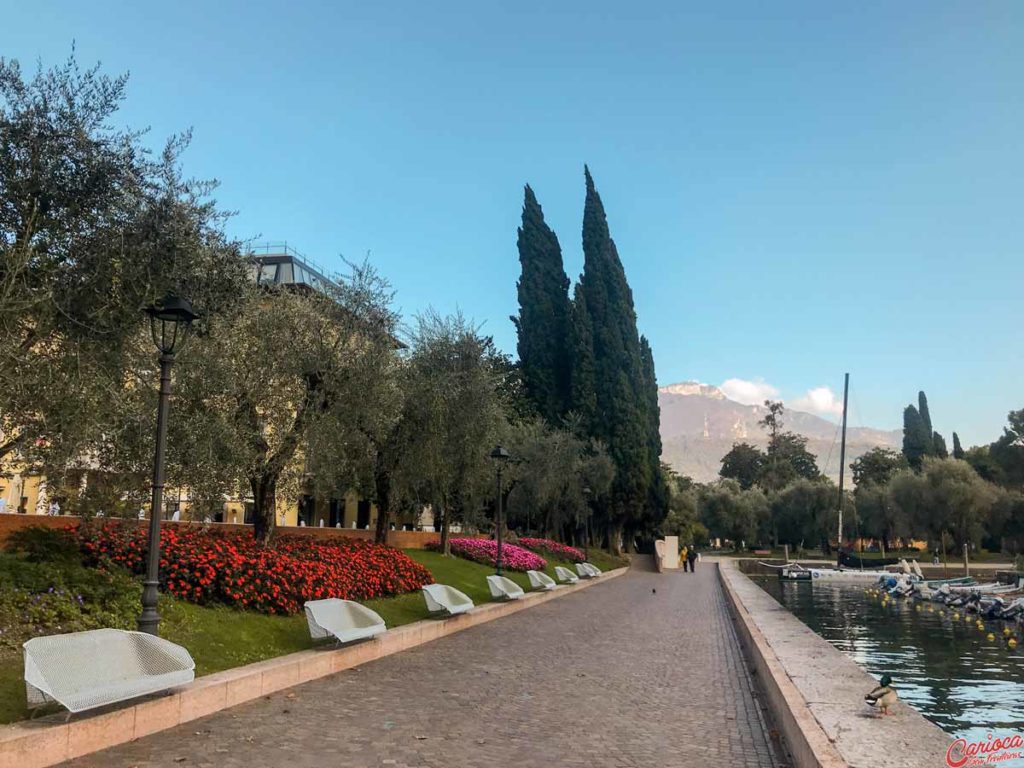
(691, 556)
(682, 557)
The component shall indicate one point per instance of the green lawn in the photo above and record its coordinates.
(220, 638)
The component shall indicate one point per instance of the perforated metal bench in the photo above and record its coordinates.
(587, 571)
(540, 580)
(343, 620)
(503, 587)
(441, 597)
(85, 670)
(565, 575)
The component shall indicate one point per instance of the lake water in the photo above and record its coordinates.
(948, 670)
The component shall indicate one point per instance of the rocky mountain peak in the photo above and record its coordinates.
(693, 389)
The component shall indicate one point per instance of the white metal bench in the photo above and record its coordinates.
(441, 597)
(504, 587)
(85, 670)
(540, 580)
(587, 571)
(564, 574)
(344, 620)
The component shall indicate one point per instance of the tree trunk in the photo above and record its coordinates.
(382, 484)
(615, 538)
(967, 564)
(264, 496)
(446, 547)
(945, 558)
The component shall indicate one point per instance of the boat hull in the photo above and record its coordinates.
(833, 575)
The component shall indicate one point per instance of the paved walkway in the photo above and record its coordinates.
(615, 676)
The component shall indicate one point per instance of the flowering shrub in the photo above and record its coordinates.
(45, 589)
(553, 549)
(210, 566)
(486, 551)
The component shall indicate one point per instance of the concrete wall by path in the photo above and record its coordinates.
(49, 741)
(666, 554)
(816, 693)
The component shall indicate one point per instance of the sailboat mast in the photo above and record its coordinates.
(842, 457)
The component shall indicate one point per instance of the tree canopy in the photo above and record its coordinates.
(93, 228)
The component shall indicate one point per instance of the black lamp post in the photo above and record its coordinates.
(170, 320)
(499, 455)
(587, 493)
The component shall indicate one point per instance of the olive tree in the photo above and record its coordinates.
(277, 396)
(94, 226)
(453, 416)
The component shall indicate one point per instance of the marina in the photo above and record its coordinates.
(961, 670)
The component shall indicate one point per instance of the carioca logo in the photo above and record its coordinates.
(963, 753)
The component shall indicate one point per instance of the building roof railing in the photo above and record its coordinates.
(283, 249)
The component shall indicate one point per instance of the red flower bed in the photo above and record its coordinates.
(211, 566)
(552, 549)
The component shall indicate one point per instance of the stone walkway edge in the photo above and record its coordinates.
(41, 743)
(815, 693)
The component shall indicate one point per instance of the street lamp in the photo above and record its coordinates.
(587, 493)
(170, 320)
(499, 456)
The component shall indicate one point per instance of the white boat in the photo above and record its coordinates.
(800, 573)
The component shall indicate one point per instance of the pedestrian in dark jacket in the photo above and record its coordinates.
(691, 558)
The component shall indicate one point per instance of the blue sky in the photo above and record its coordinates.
(796, 189)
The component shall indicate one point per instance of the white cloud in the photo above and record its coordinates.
(749, 392)
(820, 400)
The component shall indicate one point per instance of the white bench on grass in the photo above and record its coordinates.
(504, 587)
(344, 620)
(441, 597)
(594, 570)
(85, 670)
(540, 580)
(587, 571)
(564, 574)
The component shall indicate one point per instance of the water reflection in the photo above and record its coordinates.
(945, 668)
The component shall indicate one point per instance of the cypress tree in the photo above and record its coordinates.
(543, 325)
(606, 326)
(658, 494)
(583, 385)
(939, 446)
(926, 420)
(958, 451)
(915, 438)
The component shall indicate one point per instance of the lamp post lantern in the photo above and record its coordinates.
(499, 456)
(587, 493)
(170, 320)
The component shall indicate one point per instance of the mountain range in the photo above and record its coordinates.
(699, 425)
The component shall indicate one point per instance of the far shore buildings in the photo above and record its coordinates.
(274, 264)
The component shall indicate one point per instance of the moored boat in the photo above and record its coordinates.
(797, 572)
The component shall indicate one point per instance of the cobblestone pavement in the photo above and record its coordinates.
(617, 675)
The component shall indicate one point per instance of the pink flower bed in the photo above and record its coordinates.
(486, 551)
(553, 549)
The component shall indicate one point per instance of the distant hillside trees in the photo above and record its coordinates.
(786, 459)
(877, 466)
(744, 464)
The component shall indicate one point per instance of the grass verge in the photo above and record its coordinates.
(221, 638)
